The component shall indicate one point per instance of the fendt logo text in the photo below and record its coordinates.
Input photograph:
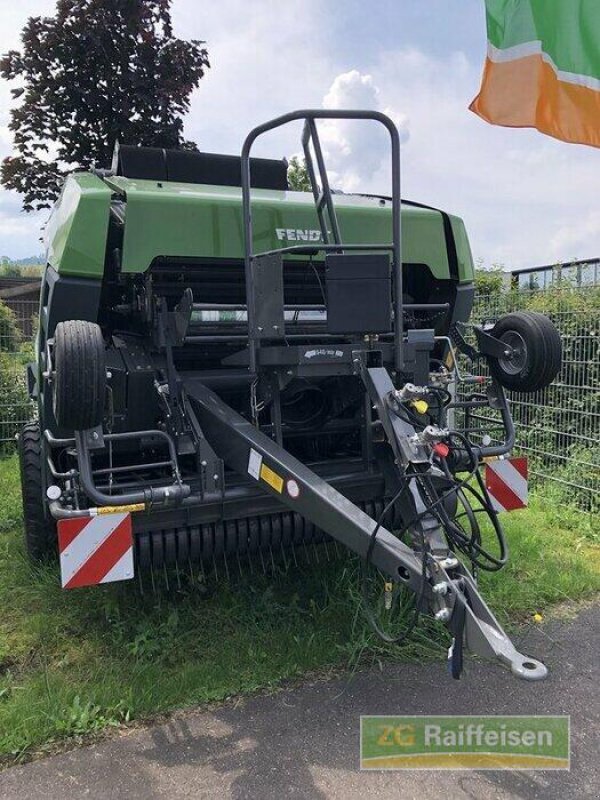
(297, 235)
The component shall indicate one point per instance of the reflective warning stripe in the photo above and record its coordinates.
(95, 549)
(506, 482)
(121, 570)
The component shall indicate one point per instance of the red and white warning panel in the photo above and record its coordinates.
(506, 481)
(95, 549)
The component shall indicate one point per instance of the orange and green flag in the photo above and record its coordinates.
(543, 68)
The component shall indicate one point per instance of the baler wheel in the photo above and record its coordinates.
(80, 375)
(536, 351)
(40, 531)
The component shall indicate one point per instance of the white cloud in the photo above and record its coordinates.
(525, 198)
(267, 58)
(356, 150)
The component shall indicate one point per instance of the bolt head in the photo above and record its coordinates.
(449, 563)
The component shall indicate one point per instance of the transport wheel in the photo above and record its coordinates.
(537, 351)
(40, 530)
(80, 375)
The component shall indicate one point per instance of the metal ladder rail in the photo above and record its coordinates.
(320, 187)
(395, 246)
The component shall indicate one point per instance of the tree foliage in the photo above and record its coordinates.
(298, 179)
(97, 72)
(10, 336)
(490, 282)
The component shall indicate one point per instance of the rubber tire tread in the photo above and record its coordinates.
(553, 345)
(80, 375)
(39, 529)
(544, 351)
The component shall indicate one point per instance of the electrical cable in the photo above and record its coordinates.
(495, 562)
(369, 613)
(424, 554)
(469, 546)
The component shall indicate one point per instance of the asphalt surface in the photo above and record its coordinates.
(303, 742)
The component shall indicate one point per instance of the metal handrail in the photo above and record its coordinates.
(320, 189)
(309, 116)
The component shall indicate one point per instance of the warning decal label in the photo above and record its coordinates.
(254, 464)
(272, 478)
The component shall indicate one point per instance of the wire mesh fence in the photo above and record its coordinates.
(558, 428)
(18, 323)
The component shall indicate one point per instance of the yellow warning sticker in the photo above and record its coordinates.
(272, 478)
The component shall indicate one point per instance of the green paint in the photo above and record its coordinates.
(466, 270)
(568, 29)
(77, 229)
(177, 220)
(184, 220)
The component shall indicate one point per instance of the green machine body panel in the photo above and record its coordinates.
(77, 229)
(178, 220)
(464, 256)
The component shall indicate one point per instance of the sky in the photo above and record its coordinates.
(526, 199)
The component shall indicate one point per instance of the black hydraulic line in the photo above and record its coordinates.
(369, 613)
(126, 468)
(173, 493)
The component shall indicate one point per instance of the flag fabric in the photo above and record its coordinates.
(543, 68)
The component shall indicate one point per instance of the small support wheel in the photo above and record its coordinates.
(79, 375)
(534, 351)
(40, 528)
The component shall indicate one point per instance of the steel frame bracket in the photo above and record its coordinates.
(252, 454)
(483, 633)
(489, 345)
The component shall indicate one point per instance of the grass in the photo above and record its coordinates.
(73, 663)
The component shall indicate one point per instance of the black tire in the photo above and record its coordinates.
(80, 375)
(537, 355)
(40, 530)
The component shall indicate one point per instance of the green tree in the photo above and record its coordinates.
(10, 336)
(490, 282)
(298, 179)
(97, 72)
(10, 270)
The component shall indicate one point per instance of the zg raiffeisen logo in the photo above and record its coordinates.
(465, 742)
